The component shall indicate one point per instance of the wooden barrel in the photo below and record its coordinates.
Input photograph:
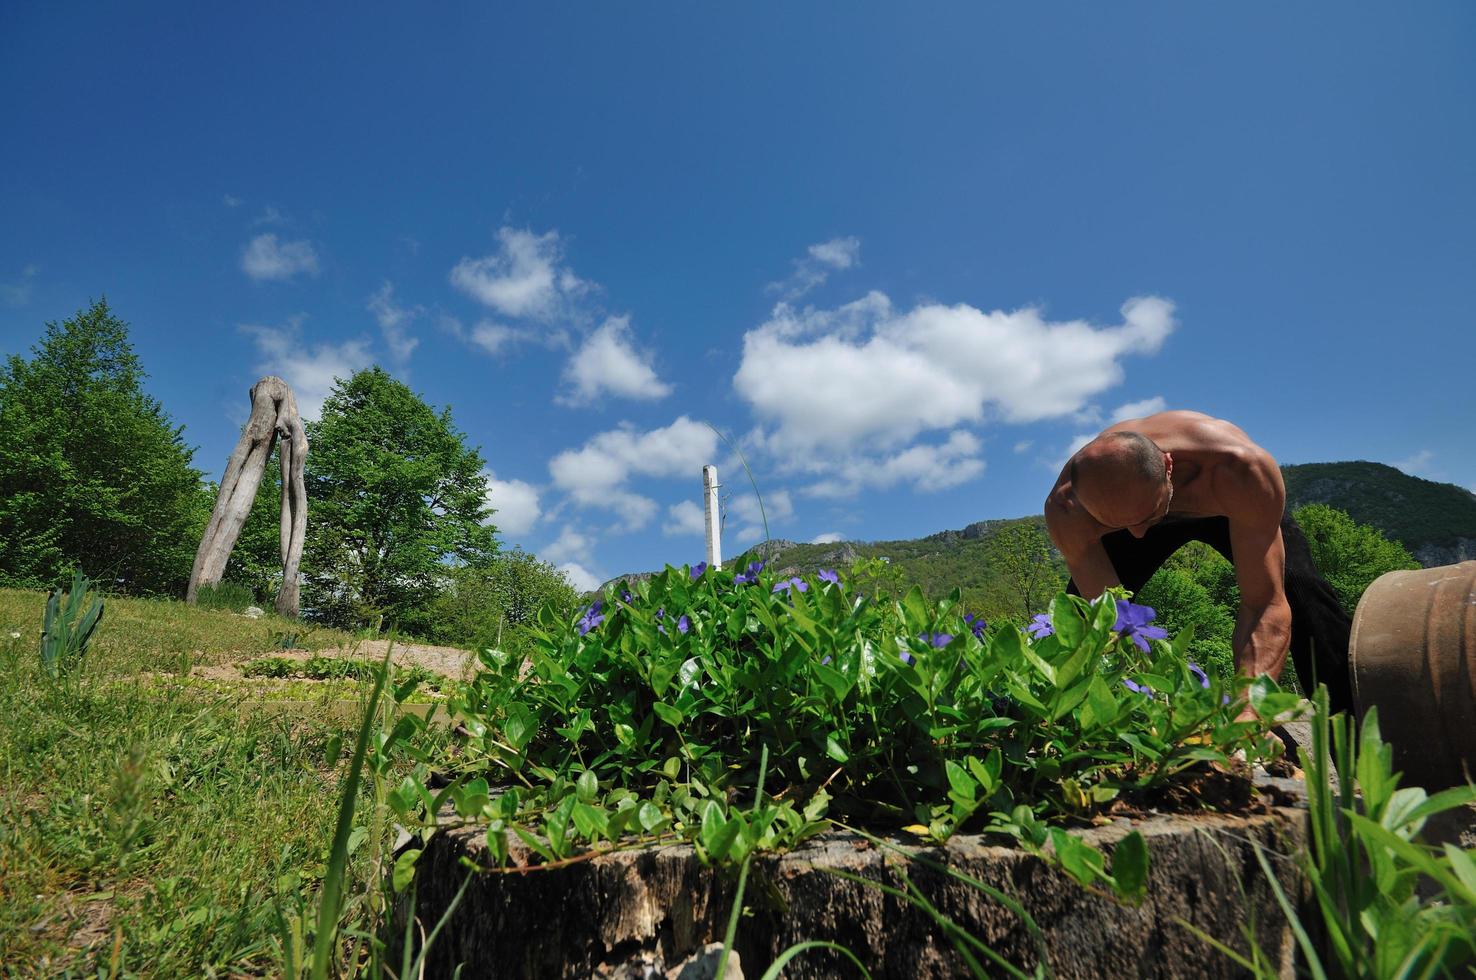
(1412, 654)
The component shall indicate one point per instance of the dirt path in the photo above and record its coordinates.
(446, 661)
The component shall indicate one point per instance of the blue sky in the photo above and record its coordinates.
(905, 255)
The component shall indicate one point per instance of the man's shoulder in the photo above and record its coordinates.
(1247, 482)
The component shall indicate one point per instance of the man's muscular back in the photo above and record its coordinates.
(1213, 469)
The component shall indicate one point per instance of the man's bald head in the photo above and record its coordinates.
(1118, 457)
(1122, 479)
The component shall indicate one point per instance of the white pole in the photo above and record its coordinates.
(710, 486)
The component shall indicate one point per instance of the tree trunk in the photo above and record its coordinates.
(273, 415)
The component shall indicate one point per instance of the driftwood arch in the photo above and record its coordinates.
(273, 416)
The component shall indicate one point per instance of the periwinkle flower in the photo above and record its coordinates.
(937, 640)
(791, 583)
(626, 597)
(1132, 623)
(1137, 688)
(749, 576)
(592, 617)
(1204, 680)
(976, 625)
(697, 570)
(906, 657)
(828, 575)
(683, 624)
(1040, 627)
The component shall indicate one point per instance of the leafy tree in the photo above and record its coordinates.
(93, 474)
(1026, 566)
(396, 500)
(497, 604)
(1350, 555)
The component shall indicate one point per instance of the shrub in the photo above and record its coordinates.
(663, 701)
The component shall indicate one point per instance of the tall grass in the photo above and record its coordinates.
(147, 828)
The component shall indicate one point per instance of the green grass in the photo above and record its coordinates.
(149, 826)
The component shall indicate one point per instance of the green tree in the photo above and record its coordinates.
(1026, 567)
(396, 501)
(93, 474)
(1350, 555)
(497, 604)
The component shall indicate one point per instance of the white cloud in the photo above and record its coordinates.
(778, 508)
(829, 537)
(18, 293)
(1023, 446)
(684, 519)
(231, 201)
(571, 544)
(1137, 410)
(865, 375)
(271, 216)
(309, 369)
(607, 362)
(524, 278)
(494, 338)
(266, 258)
(596, 474)
(515, 505)
(821, 259)
(393, 320)
(926, 467)
(580, 577)
(1416, 465)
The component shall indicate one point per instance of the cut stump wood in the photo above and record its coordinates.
(639, 911)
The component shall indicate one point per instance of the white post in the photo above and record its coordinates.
(710, 486)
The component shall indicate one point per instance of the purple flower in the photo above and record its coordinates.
(1204, 680)
(626, 597)
(938, 640)
(1132, 623)
(1137, 688)
(1040, 627)
(906, 657)
(592, 617)
(751, 575)
(828, 575)
(698, 569)
(683, 624)
(826, 661)
(791, 583)
(976, 625)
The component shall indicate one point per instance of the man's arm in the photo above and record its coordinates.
(1085, 557)
(1263, 624)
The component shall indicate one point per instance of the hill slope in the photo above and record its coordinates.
(1435, 521)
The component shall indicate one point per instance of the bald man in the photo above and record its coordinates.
(1134, 495)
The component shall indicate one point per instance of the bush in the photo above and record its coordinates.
(498, 605)
(668, 699)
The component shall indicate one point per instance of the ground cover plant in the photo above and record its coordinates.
(149, 827)
(649, 715)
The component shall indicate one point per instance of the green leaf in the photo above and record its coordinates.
(835, 750)
(587, 787)
(650, 817)
(1130, 866)
(1081, 861)
(669, 713)
(405, 868)
(1066, 618)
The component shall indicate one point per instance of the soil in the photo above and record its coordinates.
(446, 661)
